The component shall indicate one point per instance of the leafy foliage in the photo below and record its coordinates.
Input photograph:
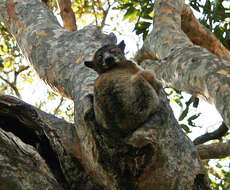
(91, 10)
(215, 16)
(140, 11)
(10, 67)
(186, 119)
(219, 174)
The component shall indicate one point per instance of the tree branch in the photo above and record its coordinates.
(200, 35)
(22, 163)
(12, 85)
(67, 14)
(94, 11)
(195, 70)
(59, 105)
(47, 153)
(167, 28)
(214, 151)
(217, 134)
(196, 32)
(43, 45)
(105, 14)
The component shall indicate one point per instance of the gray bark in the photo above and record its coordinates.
(156, 156)
(185, 66)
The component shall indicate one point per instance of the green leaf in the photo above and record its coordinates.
(142, 28)
(123, 6)
(186, 128)
(207, 7)
(218, 32)
(190, 120)
(131, 14)
(183, 114)
(196, 102)
(1, 62)
(178, 101)
(189, 101)
(195, 6)
(218, 165)
(146, 13)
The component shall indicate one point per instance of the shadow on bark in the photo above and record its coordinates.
(40, 151)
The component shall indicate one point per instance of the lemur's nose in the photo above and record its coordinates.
(108, 58)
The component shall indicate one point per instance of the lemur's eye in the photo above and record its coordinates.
(112, 50)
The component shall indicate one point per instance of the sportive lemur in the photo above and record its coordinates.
(125, 95)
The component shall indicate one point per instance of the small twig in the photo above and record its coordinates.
(217, 134)
(59, 105)
(12, 86)
(23, 69)
(95, 13)
(105, 12)
(16, 73)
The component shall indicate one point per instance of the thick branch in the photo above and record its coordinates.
(150, 48)
(195, 31)
(21, 166)
(187, 67)
(67, 15)
(166, 35)
(200, 35)
(56, 54)
(54, 138)
(48, 142)
(214, 151)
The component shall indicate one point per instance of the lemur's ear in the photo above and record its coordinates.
(89, 64)
(121, 45)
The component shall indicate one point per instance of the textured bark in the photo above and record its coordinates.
(185, 66)
(45, 1)
(214, 151)
(35, 150)
(196, 32)
(67, 14)
(57, 143)
(21, 166)
(157, 155)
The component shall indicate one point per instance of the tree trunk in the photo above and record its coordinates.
(158, 155)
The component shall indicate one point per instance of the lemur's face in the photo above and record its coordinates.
(107, 57)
